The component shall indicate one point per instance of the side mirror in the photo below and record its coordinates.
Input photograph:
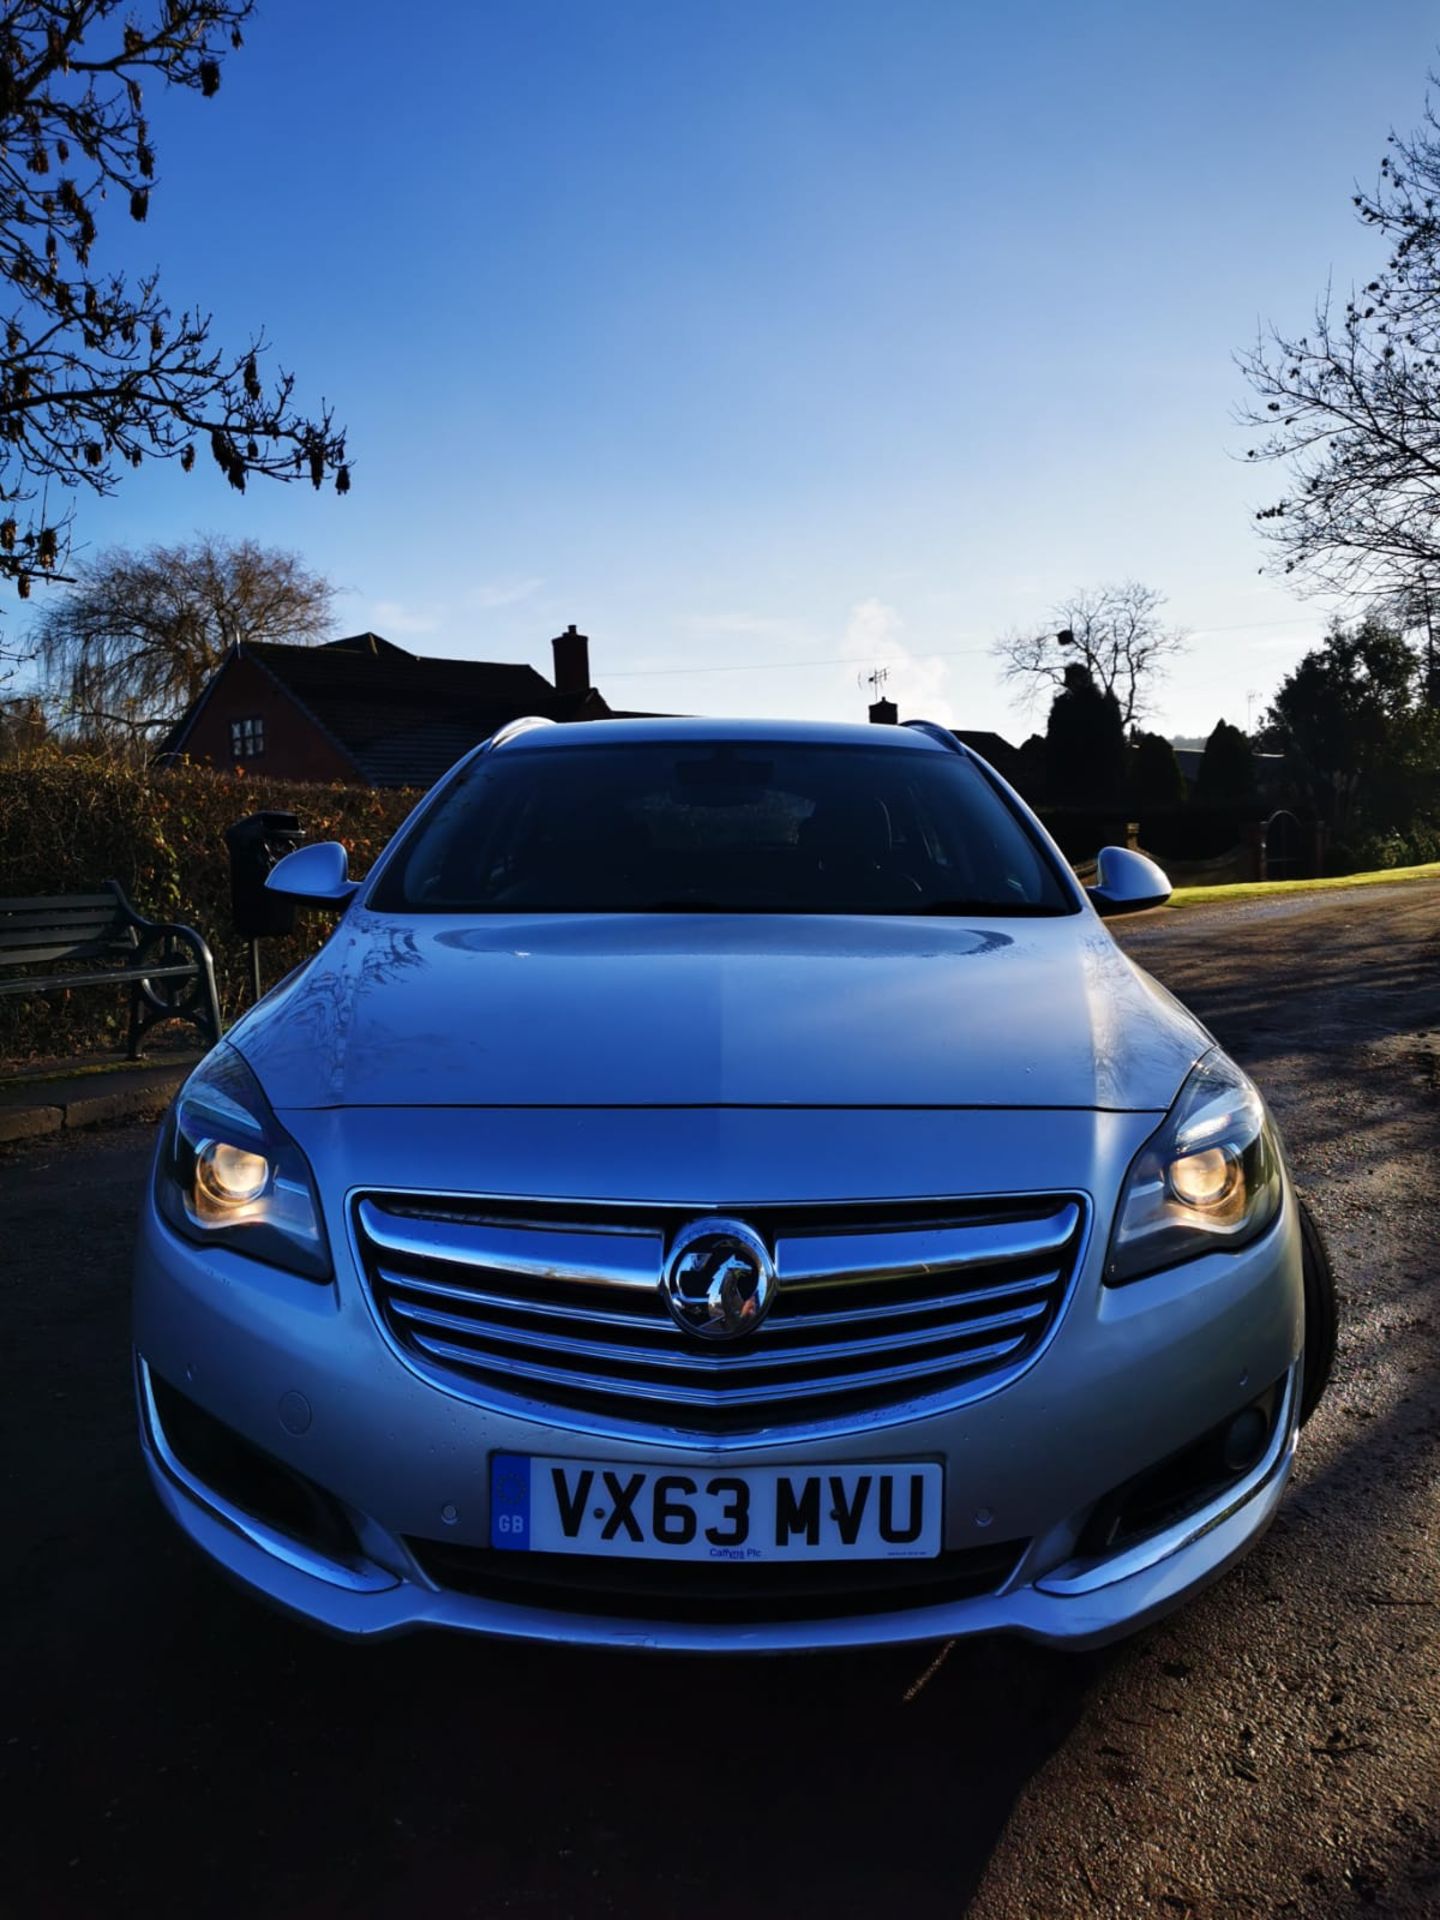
(1125, 882)
(318, 874)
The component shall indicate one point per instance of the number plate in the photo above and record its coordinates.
(747, 1514)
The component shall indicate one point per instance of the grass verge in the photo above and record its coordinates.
(1278, 889)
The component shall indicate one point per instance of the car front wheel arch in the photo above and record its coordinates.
(1322, 1315)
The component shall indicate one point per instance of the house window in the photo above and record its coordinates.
(247, 738)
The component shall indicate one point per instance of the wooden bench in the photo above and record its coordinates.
(167, 968)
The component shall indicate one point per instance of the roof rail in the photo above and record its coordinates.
(513, 727)
(942, 736)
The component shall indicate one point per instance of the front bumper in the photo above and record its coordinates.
(302, 1373)
(1077, 1605)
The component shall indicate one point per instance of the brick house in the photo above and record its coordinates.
(366, 712)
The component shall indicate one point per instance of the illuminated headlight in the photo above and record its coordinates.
(228, 1173)
(228, 1177)
(1209, 1179)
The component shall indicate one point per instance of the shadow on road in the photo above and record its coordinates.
(1370, 979)
(260, 1767)
(175, 1746)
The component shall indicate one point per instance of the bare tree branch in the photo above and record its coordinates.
(1116, 632)
(98, 374)
(1352, 407)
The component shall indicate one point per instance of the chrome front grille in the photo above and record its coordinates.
(878, 1306)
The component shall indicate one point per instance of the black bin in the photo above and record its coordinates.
(255, 844)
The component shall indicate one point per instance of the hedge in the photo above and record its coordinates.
(69, 823)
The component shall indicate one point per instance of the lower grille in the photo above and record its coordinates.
(699, 1593)
(248, 1478)
(878, 1306)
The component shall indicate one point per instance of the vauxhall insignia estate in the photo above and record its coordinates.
(720, 1186)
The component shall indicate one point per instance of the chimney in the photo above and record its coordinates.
(572, 661)
(884, 713)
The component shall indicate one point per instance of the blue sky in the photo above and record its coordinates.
(777, 337)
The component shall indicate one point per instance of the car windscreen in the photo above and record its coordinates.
(716, 827)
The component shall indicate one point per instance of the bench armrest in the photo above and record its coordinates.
(148, 929)
(149, 1006)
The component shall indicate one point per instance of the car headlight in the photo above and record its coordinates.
(1208, 1179)
(229, 1175)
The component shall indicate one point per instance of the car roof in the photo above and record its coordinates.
(533, 737)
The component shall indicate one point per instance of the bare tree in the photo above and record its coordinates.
(1117, 633)
(125, 652)
(98, 374)
(22, 725)
(1352, 407)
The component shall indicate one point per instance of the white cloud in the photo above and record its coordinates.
(916, 682)
(503, 593)
(393, 616)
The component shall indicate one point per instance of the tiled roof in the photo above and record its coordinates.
(401, 718)
(405, 719)
(993, 747)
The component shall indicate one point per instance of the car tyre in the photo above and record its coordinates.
(1322, 1315)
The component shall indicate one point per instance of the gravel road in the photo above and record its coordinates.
(1274, 1749)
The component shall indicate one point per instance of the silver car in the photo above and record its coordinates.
(721, 1186)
